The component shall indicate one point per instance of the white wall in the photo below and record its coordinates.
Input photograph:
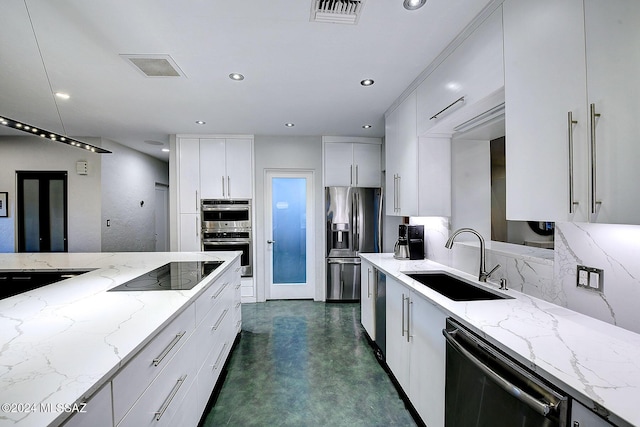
(84, 203)
(129, 177)
(286, 152)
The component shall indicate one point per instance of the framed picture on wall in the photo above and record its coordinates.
(4, 208)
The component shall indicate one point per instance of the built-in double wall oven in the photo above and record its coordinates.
(226, 226)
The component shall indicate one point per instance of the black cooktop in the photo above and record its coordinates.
(174, 276)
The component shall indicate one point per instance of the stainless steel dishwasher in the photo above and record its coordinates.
(485, 388)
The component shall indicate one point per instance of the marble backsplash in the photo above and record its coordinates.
(551, 275)
(613, 248)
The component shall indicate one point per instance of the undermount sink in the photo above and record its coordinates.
(454, 288)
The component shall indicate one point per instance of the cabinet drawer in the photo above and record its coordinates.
(161, 401)
(213, 328)
(96, 413)
(210, 371)
(135, 377)
(216, 292)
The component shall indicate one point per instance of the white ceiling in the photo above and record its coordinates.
(297, 71)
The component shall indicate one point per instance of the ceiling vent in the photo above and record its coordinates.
(336, 11)
(155, 65)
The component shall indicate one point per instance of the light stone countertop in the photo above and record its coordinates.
(593, 361)
(62, 342)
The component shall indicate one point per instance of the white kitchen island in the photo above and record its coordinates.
(68, 341)
(596, 363)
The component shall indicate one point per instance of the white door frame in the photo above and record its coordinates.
(303, 291)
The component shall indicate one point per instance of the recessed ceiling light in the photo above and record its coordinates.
(289, 125)
(236, 76)
(366, 126)
(413, 4)
(62, 95)
(366, 82)
(200, 122)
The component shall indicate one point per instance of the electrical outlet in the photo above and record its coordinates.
(590, 278)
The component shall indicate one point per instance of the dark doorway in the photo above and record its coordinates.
(42, 211)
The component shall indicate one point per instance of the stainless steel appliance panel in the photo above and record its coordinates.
(353, 218)
(225, 214)
(343, 279)
(485, 388)
(231, 241)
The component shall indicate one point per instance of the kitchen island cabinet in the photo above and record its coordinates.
(131, 355)
(571, 112)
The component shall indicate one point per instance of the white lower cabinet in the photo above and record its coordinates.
(368, 298)
(169, 382)
(132, 380)
(161, 400)
(96, 413)
(416, 350)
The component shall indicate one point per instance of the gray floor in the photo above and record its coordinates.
(304, 363)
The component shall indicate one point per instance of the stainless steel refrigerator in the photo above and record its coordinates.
(353, 225)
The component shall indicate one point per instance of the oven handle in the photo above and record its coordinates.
(541, 408)
(225, 208)
(226, 242)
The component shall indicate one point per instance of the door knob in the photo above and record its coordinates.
(271, 241)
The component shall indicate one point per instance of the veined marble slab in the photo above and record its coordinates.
(62, 342)
(593, 361)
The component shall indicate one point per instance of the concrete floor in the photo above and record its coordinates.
(304, 363)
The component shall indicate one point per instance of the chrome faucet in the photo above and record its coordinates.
(483, 275)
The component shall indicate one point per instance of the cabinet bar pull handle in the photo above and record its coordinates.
(217, 325)
(409, 302)
(166, 351)
(169, 398)
(435, 116)
(368, 283)
(222, 288)
(228, 186)
(197, 203)
(399, 195)
(351, 175)
(357, 175)
(402, 315)
(215, 365)
(570, 123)
(593, 115)
(223, 186)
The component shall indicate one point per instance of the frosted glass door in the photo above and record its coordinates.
(289, 247)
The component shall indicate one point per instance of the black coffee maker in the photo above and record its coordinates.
(415, 241)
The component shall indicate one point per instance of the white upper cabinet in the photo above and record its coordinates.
(401, 155)
(571, 130)
(189, 175)
(352, 164)
(472, 72)
(613, 88)
(226, 168)
(544, 82)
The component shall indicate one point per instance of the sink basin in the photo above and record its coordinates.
(454, 288)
